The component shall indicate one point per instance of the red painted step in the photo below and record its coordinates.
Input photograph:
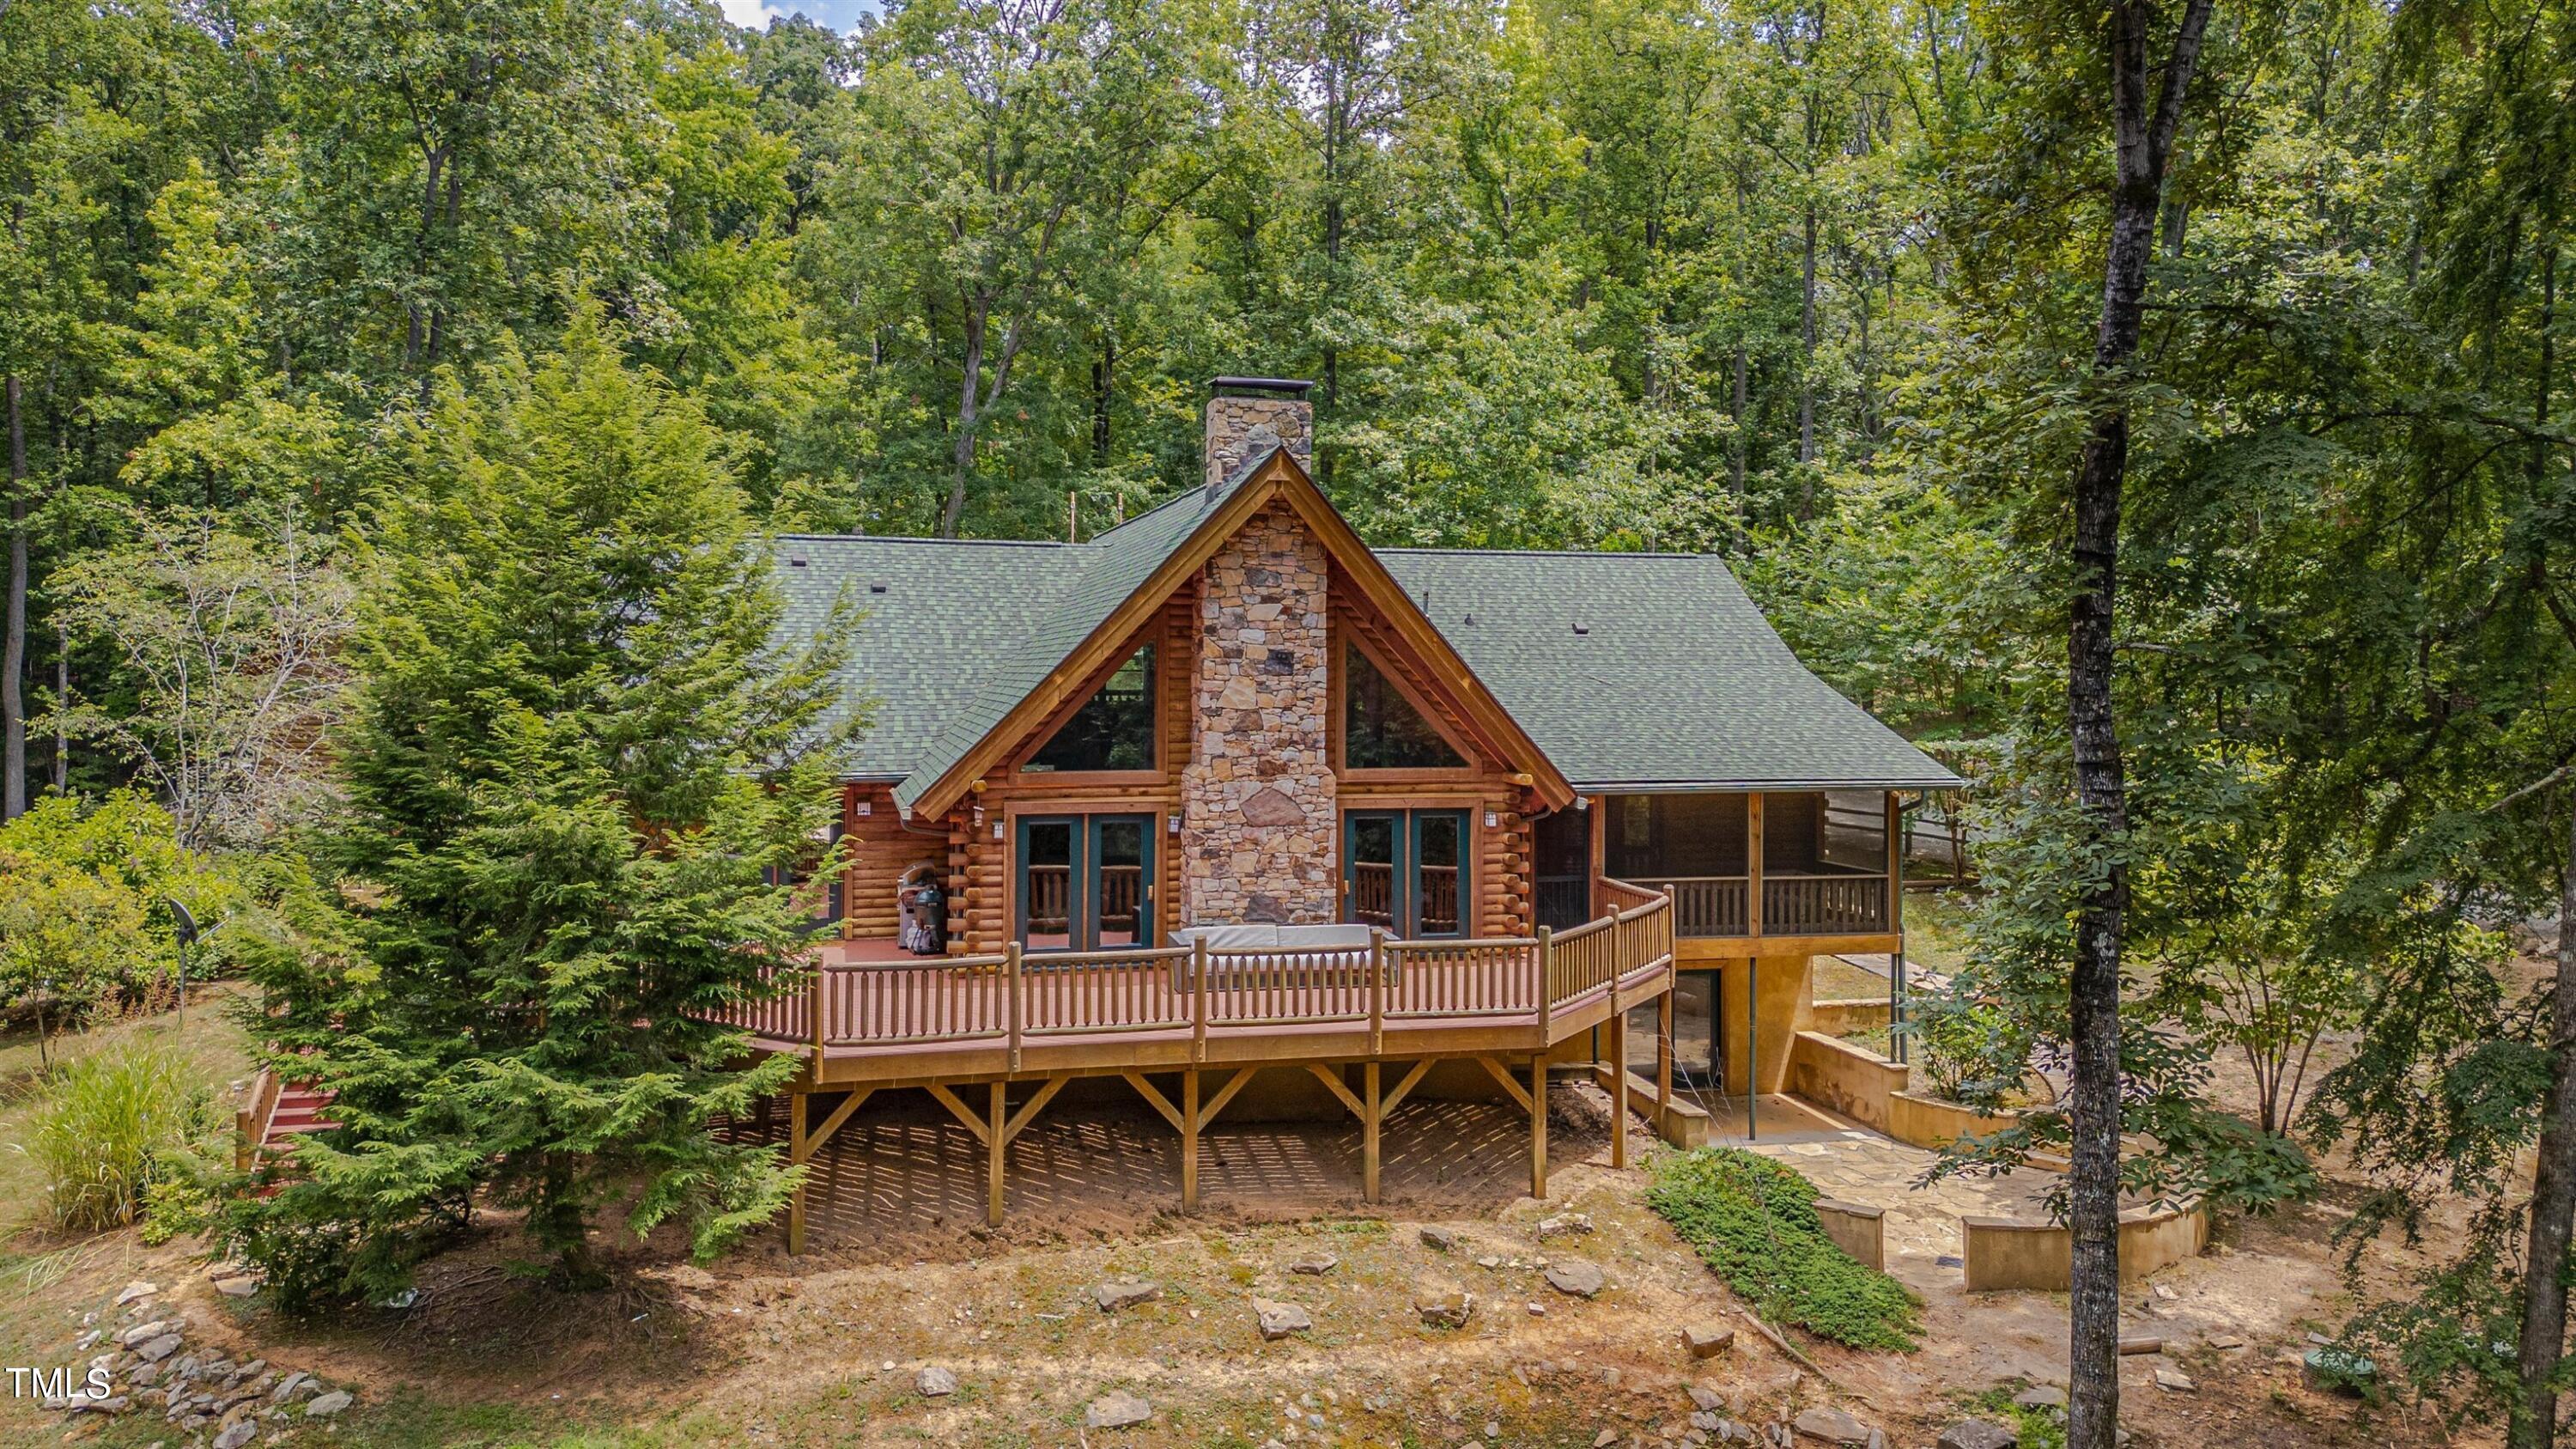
(299, 1110)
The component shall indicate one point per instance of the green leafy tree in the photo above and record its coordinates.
(577, 758)
(86, 920)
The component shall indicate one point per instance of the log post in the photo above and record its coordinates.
(1546, 958)
(1664, 1056)
(1190, 1140)
(797, 1149)
(1377, 991)
(1753, 865)
(996, 1143)
(1538, 1126)
(1015, 1009)
(1369, 1129)
(1198, 999)
(1618, 1079)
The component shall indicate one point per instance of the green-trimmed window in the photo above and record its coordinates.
(1114, 729)
(1381, 730)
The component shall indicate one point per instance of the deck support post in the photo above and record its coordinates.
(1618, 1080)
(1664, 1052)
(796, 1152)
(1368, 1130)
(996, 1143)
(1190, 1140)
(1538, 1126)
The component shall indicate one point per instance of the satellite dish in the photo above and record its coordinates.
(187, 923)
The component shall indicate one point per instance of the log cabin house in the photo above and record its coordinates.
(1226, 794)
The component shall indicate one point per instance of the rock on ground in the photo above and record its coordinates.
(136, 1289)
(2175, 1380)
(1442, 1302)
(1575, 1276)
(1126, 1293)
(237, 1434)
(1278, 1320)
(143, 1333)
(1978, 1434)
(1831, 1425)
(1116, 1409)
(1707, 1340)
(933, 1383)
(2040, 1396)
(329, 1404)
(1315, 1265)
(1439, 1238)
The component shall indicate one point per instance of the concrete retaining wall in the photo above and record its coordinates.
(1871, 1090)
(1842, 1018)
(1857, 1228)
(1851, 1080)
(2009, 1253)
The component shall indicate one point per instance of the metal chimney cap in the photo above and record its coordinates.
(1292, 386)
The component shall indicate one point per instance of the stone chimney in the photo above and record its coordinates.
(1248, 416)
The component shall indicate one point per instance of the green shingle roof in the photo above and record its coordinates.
(1650, 670)
(1672, 678)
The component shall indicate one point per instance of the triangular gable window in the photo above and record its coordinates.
(1381, 730)
(1114, 729)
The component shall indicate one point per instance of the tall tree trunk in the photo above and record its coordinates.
(2553, 1197)
(2553, 1190)
(62, 703)
(1807, 337)
(2093, 992)
(1743, 444)
(952, 513)
(1102, 370)
(13, 645)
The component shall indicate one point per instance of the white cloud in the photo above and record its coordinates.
(751, 14)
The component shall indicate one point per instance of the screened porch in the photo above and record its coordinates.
(1769, 863)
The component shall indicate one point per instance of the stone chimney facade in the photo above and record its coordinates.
(1249, 427)
(1258, 796)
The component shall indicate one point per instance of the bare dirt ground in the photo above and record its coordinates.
(764, 1349)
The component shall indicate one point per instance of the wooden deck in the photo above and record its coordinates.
(1041, 1019)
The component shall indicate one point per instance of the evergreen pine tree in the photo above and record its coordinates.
(578, 761)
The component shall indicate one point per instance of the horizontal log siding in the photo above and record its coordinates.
(880, 851)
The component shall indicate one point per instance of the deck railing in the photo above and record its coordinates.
(1017, 997)
(1793, 904)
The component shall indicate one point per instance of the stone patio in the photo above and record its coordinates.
(1857, 1165)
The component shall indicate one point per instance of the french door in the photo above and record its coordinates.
(1405, 871)
(1085, 882)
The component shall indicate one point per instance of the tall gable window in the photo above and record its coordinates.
(1114, 729)
(1381, 730)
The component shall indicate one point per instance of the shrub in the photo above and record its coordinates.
(86, 920)
(116, 1122)
(1754, 1222)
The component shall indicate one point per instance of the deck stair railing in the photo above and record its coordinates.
(1052, 995)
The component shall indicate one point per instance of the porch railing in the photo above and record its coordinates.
(1794, 903)
(1017, 998)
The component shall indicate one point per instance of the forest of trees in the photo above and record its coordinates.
(1818, 288)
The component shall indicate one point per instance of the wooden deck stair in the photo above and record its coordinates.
(279, 1112)
(299, 1109)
